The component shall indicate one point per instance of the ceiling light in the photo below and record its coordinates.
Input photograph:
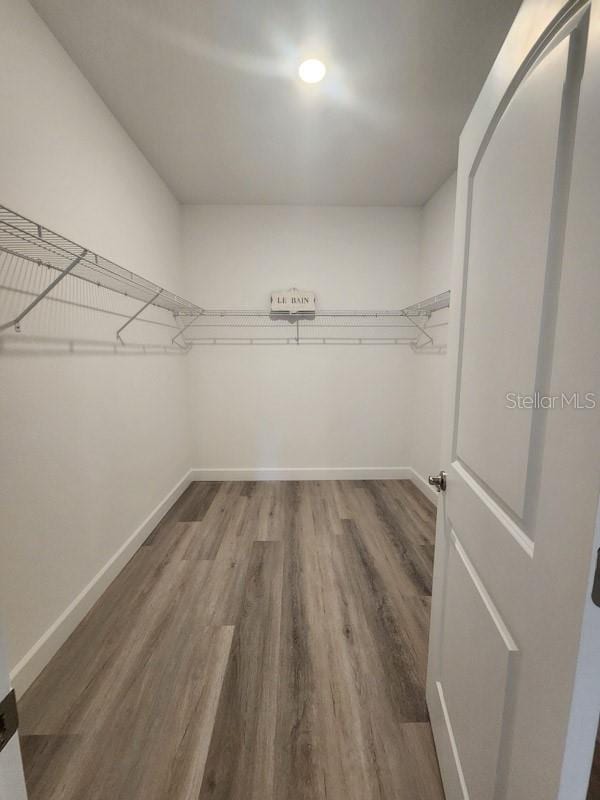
(312, 70)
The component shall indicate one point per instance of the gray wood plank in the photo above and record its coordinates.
(241, 759)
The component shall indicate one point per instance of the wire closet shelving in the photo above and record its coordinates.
(410, 325)
(34, 245)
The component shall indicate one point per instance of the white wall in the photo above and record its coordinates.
(285, 407)
(90, 443)
(67, 163)
(430, 376)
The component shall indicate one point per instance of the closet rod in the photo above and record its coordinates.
(311, 341)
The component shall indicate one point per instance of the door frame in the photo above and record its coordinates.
(12, 780)
(528, 40)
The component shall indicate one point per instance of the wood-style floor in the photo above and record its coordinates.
(268, 642)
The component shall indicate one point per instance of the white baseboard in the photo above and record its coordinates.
(420, 482)
(30, 666)
(315, 474)
(302, 473)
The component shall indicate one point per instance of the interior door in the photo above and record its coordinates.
(12, 783)
(514, 663)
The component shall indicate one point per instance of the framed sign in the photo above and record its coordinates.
(293, 301)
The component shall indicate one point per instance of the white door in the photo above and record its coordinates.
(514, 663)
(12, 783)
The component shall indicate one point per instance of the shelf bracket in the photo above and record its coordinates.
(419, 328)
(183, 330)
(136, 315)
(16, 322)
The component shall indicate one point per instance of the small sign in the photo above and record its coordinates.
(293, 301)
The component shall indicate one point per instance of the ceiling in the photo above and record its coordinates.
(208, 90)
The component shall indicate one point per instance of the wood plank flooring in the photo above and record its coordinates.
(268, 641)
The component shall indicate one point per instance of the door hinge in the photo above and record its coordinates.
(596, 585)
(9, 719)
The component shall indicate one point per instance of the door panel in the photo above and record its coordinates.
(512, 629)
(511, 201)
(473, 679)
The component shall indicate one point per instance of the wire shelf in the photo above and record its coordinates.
(422, 309)
(25, 239)
(377, 326)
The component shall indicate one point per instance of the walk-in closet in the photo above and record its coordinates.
(299, 400)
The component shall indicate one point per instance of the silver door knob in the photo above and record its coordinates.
(439, 481)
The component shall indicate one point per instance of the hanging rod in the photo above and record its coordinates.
(25, 239)
(23, 344)
(314, 340)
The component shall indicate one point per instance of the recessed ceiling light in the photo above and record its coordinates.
(312, 70)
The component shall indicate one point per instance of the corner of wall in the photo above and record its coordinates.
(430, 385)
